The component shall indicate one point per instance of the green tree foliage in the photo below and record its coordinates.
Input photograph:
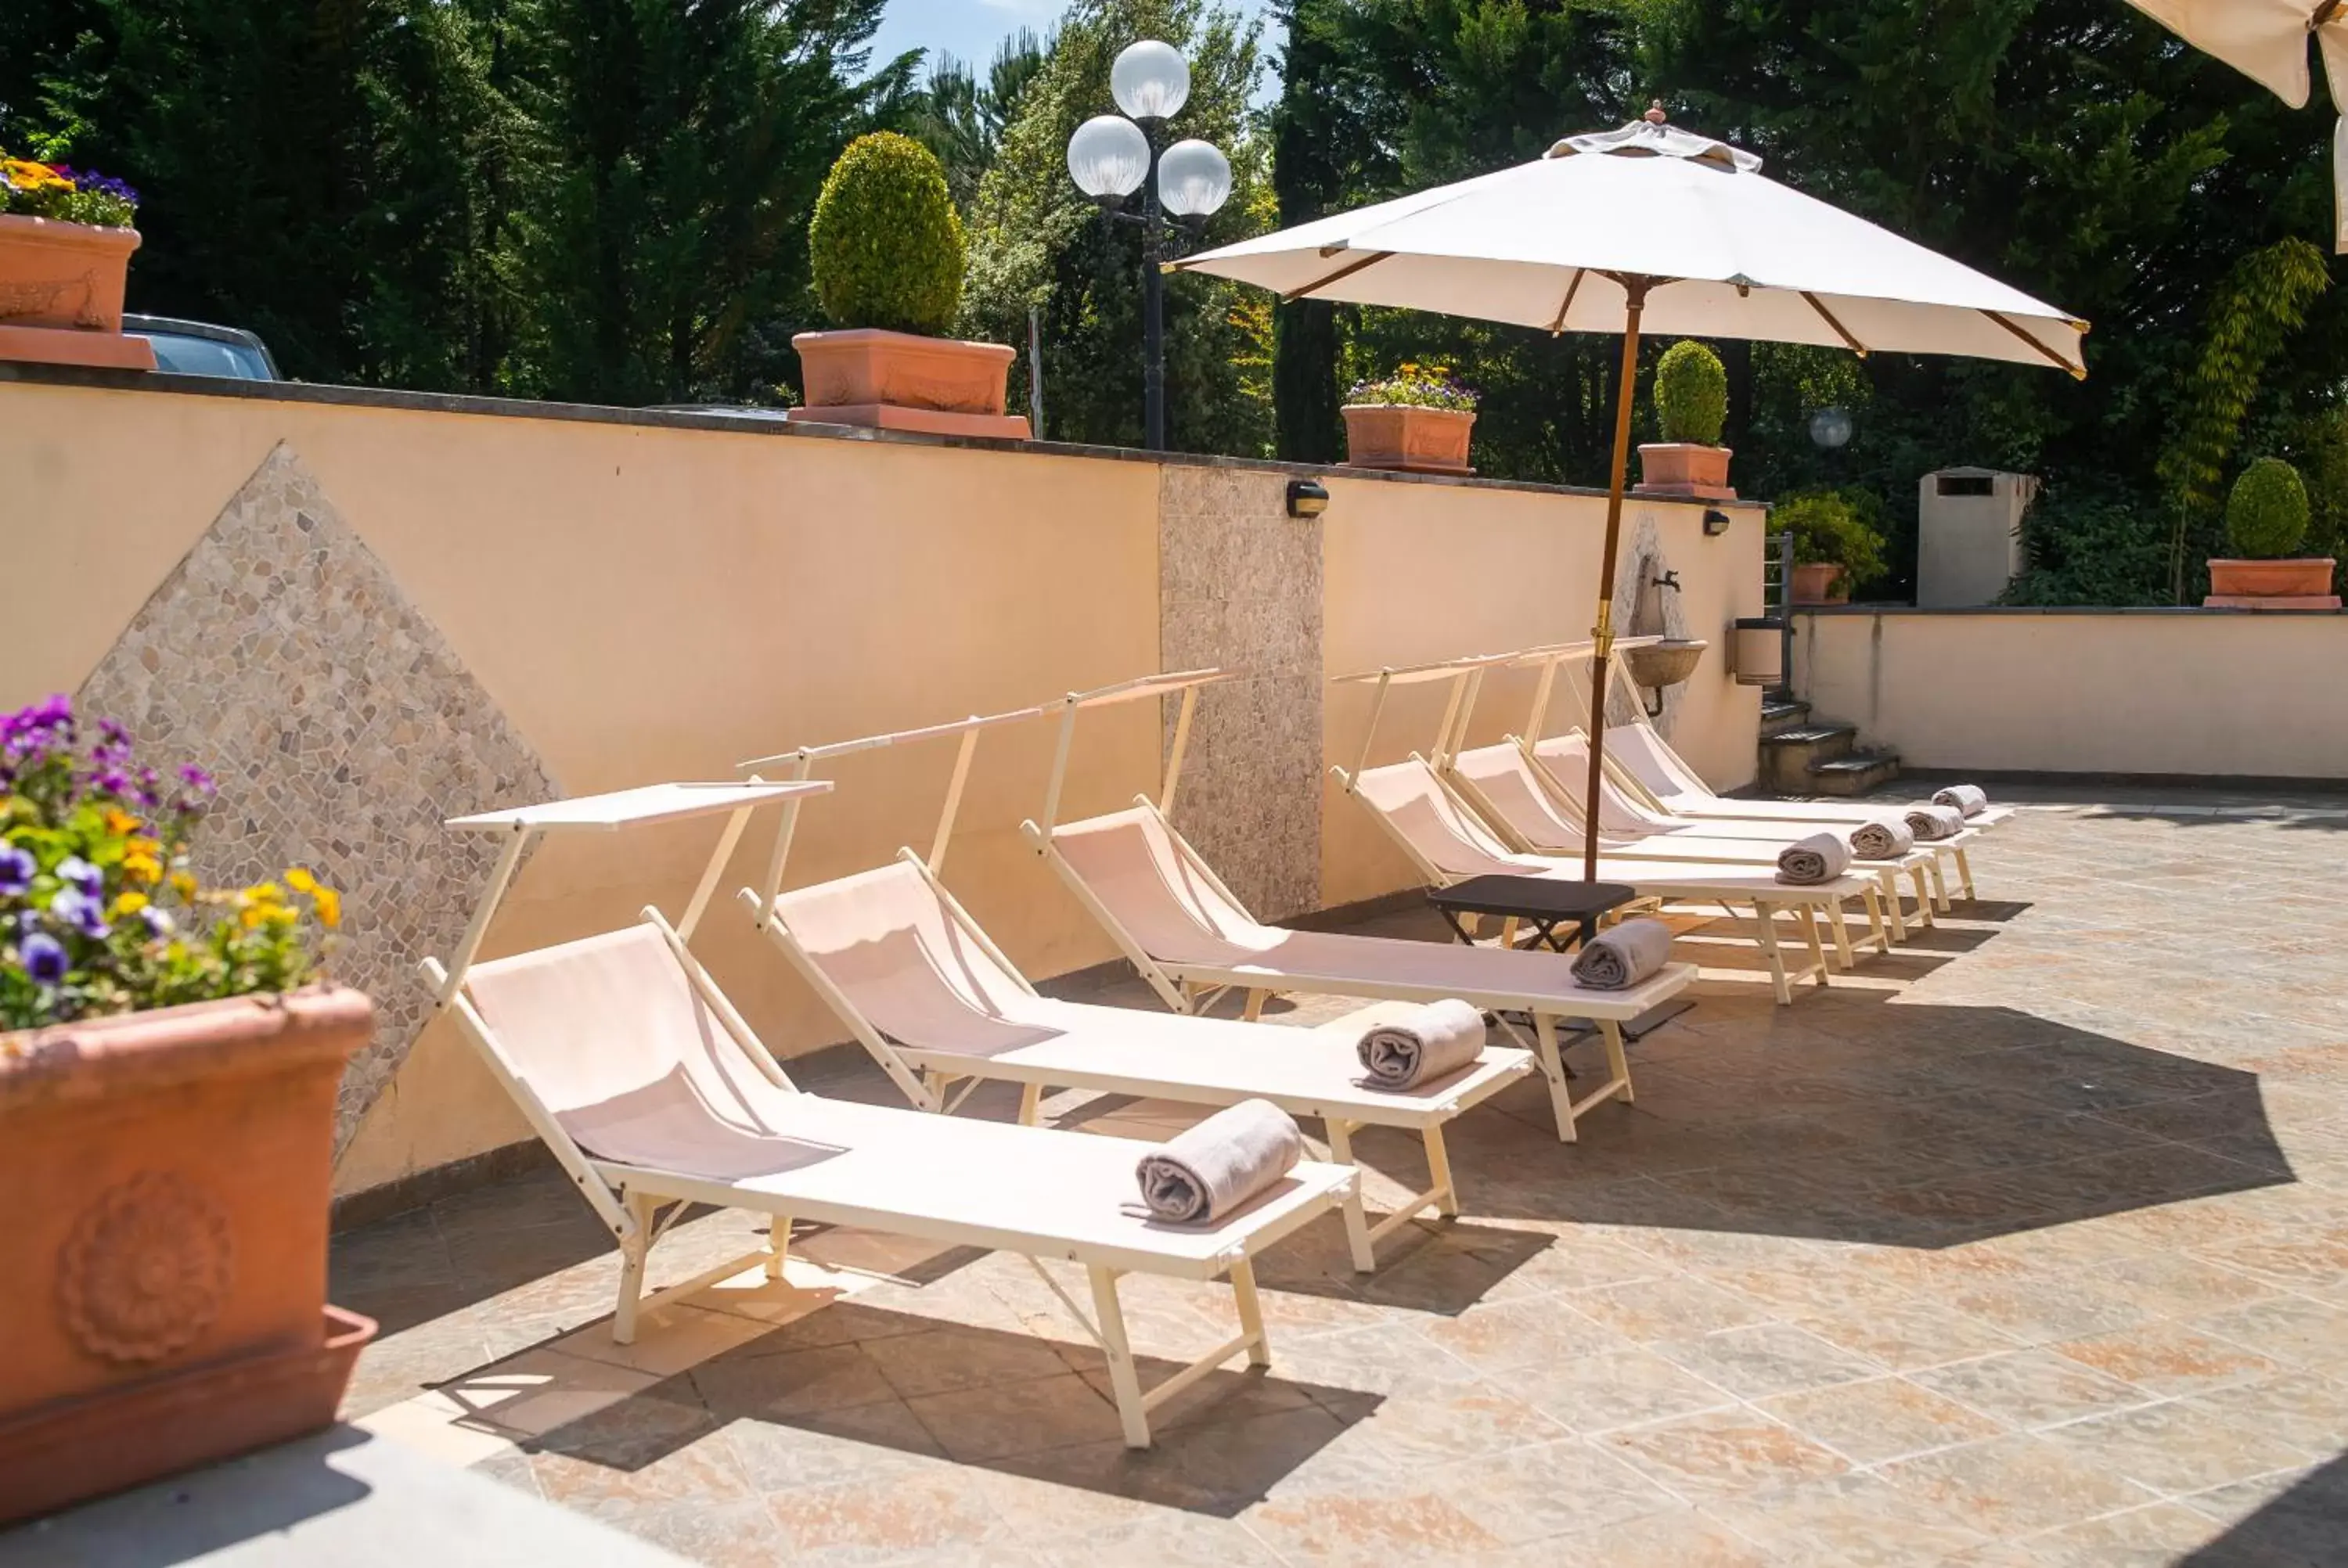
(887, 248)
(2266, 511)
(962, 117)
(1832, 526)
(1037, 241)
(1691, 393)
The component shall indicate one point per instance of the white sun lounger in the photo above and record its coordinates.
(653, 1092)
(936, 1003)
(1191, 938)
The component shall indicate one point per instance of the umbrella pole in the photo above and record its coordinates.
(1603, 635)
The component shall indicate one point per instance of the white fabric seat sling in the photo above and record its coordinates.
(653, 1092)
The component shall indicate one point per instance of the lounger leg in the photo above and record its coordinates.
(1618, 1066)
(1357, 1222)
(1833, 913)
(1123, 1379)
(1552, 1066)
(1767, 937)
(779, 1243)
(1964, 873)
(633, 1249)
(1509, 932)
(1940, 887)
(1250, 1313)
(1439, 1172)
(1810, 929)
(1874, 899)
(1031, 1099)
(1254, 1008)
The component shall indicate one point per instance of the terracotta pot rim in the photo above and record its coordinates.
(1686, 447)
(1405, 408)
(64, 225)
(844, 336)
(249, 1034)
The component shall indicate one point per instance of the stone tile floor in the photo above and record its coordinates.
(2026, 1244)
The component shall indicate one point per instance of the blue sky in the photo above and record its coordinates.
(972, 28)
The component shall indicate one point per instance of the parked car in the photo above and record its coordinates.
(200, 348)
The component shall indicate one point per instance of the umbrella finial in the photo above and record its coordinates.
(1655, 114)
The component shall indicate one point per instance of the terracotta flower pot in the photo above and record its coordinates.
(1820, 582)
(2302, 584)
(165, 1249)
(896, 381)
(1406, 439)
(61, 294)
(1684, 468)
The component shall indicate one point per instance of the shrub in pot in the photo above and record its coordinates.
(886, 248)
(1833, 546)
(168, 1077)
(1692, 404)
(65, 254)
(2266, 523)
(1417, 420)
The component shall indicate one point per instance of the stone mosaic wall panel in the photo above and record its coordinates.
(1644, 609)
(1240, 587)
(342, 728)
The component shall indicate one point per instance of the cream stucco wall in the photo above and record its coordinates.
(1416, 573)
(2185, 692)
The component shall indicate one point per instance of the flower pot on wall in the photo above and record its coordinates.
(61, 294)
(166, 1248)
(1407, 439)
(2302, 584)
(1820, 582)
(1686, 469)
(898, 381)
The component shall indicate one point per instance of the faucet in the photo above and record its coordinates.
(1669, 579)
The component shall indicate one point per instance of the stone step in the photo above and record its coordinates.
(1788, 754)
(1856, 772)
(1782, 713)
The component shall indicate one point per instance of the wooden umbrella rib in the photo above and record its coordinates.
(1841, 331)
(2056, 360)
(1347, 271)
(1571, 289)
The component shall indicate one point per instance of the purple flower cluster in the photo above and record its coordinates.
(91, 182)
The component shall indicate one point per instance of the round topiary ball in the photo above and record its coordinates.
(886, 246)
(1692, 393)
(2266, 516)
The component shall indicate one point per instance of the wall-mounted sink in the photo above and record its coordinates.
(1655, 665)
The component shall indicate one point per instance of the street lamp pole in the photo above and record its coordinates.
(1153, 304)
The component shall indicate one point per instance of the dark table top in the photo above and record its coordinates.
(1541, 897)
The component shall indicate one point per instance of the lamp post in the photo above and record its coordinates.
(1112, 156)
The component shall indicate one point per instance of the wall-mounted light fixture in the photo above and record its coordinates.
(1758, 650)
(1307, 498)
(1716, 522)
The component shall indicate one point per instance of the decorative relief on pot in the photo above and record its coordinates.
(41, 296)
(145, 1269)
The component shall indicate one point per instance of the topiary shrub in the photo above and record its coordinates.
(2266, 516)
(1827, 527)
(886, 247)
(1692, 393)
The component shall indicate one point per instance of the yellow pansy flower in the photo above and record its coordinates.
(131, 903)
(141, 867)
(330, 907)
(120, 823)
(183, 882)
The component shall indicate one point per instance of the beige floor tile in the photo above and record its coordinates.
(2167, 1358)
(2030, 1388)
(2014, 1485)
(1857, 1518)
(2175, 1447)
(1568, 1488)
(943, 1509)
(1733, 1452)
(1421, 1527)
(1674, 1306)
(2291, 1329)
(2312, 1412)
(1766, 1359)
(1620, 1388)
(1907, 1334)
(1880, 1418)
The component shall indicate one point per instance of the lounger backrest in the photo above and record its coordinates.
(1414, 803)
(894, 950)
(1508, 785)
(609, 1036)
(1568, 759)
(1130, 861)
(1654, 763)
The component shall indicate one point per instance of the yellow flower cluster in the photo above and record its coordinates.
(32, 178)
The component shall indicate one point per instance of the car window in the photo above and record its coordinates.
(202, 356)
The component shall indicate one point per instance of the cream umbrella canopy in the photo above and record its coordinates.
(2266, 40)
(1651, 228)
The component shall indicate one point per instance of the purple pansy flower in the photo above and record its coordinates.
(16, 869)
(195, 779)
(45, 958)
(80, 911)
(81, 876)
(158, 923)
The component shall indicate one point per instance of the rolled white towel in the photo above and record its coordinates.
(1971, 800)
(1424, 1044)
(1218, 1164)
(1931, 821)
(1882, 839)
(1806, 862)
(1620, 958)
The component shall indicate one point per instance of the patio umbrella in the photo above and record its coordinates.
(2266, 40)
(1650, 228)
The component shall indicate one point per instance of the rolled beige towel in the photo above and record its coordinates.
(1220, 1164)
(1422, 1045)
(1620, 958)
(1882, 839)
(1971, 800)
(1934, 822)
(1806, 862)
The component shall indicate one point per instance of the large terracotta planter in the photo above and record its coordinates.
(2302, 584)
(61, 294)
(1821, 582)
(896, 381)
(163, 1261)
(1683, 469)
(1407, 439)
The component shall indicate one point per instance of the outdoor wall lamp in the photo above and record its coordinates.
(1716, 522)
(1110, 157)
(1307, 498)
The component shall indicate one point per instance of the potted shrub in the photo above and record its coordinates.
(1691, 402)
(1833, 546)
(887, 253)
(1417, 420)
(65, 252)
(2266, 521)
(168, 1077)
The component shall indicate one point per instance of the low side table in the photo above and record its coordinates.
(1563, 915)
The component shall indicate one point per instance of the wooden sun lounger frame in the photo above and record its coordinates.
(931, 1087)
(638, 1204)
(1187, 988)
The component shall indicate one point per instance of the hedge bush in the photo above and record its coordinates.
(886, 246)
(2266, 516)
(1692, 393)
